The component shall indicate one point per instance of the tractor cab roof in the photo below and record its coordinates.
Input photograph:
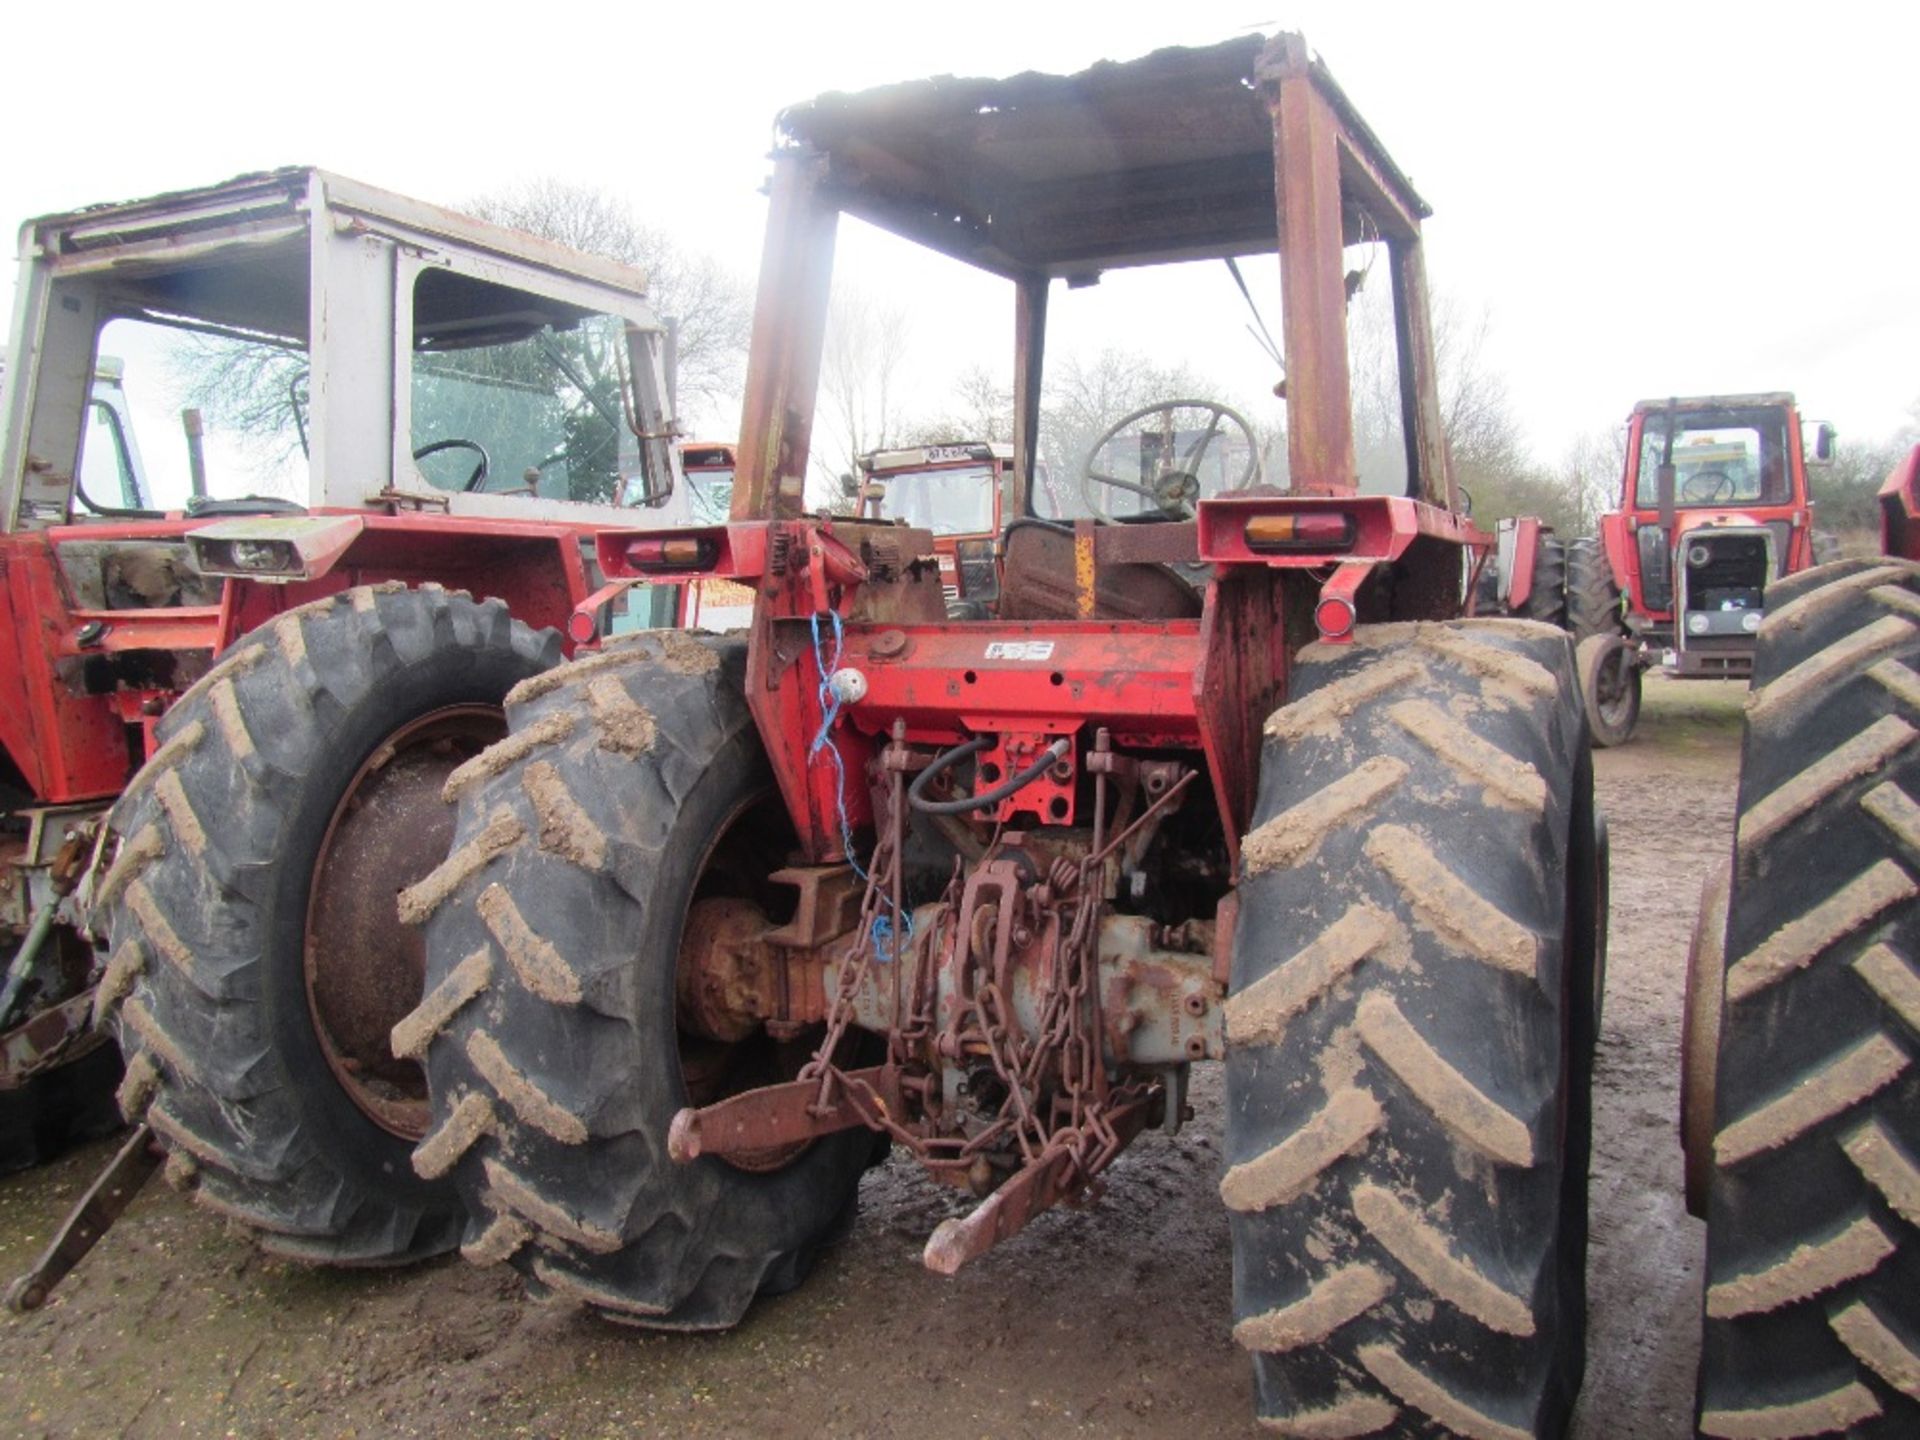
(1769, 400)
(1168, 157)
(921, 457)
(236, 255)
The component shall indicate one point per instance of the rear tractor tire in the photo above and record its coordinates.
(1593, 599)
(1547, 599)
(254, 965)
(631, 788)
(1811, 1169)
(1409, 1038)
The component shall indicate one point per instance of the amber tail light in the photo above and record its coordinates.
(1301, 530)
(656, 553)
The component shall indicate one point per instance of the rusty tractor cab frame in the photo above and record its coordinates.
(1275, 157)
(1018, 851)
(115, 611)
(899, 483)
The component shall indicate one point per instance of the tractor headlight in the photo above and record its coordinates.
(1697, 624)
(1750, 622)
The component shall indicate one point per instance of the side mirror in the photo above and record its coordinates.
(1663, 487)
(1822, 449)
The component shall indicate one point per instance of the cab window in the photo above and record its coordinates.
(517, 393)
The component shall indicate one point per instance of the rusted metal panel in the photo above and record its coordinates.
(1306, 158)
(1429, 462)
(1029, 363)
(1048, 677)
(789, 328)
(1238, 679)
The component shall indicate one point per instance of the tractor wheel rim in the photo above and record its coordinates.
(1614, 685)
(364, 971)
(711, 1070)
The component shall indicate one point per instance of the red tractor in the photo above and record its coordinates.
(271, 695)
(1801, 1099)
(1224, 779)
(957, 493)
(1714, 509)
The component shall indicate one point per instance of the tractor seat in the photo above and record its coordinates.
(1037, 582)
(201, 507)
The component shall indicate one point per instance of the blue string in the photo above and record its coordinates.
(882, 929)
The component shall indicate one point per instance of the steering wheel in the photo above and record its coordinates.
(479, 475)
(1718, 481)
(1175, 486)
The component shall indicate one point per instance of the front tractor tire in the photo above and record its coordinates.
(1610, 686)
(1811, 1162)
(1410, 1038)
(631, 787)
(254, 965)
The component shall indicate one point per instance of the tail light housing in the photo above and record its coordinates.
(657, 554)
(1293, 530)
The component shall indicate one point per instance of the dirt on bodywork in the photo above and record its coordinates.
(1113, 1322)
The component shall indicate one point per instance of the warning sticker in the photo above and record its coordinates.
(1020, 650)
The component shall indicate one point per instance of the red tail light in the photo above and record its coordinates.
(658, 553)
(1301, 530)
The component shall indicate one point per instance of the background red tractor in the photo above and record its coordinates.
(1713, 509)
(1226, 779)
(273, 691)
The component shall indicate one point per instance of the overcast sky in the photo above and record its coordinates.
(1645, 200)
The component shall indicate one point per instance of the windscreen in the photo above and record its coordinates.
(710, 488)
(1720, 457)
(951, 500)
(517, 394)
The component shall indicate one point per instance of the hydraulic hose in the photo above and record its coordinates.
(947, 759)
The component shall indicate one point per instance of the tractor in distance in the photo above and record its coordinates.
(957, 493)
(1800, 1110)
(1223, 776)
(952, 490)
(1713, 509)
(269, 693)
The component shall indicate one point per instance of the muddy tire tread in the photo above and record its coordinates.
(568, 1178)
(233, 754)
(1408, 1214)
(1593, 599)
(1813, 1268)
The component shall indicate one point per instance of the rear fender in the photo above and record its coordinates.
(1900, 509)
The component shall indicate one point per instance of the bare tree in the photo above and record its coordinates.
(979, 408)
(862, 382)
(712, 305)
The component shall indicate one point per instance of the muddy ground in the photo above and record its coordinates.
(1112, 1323)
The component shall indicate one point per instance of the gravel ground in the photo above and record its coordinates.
(1107, 1321)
